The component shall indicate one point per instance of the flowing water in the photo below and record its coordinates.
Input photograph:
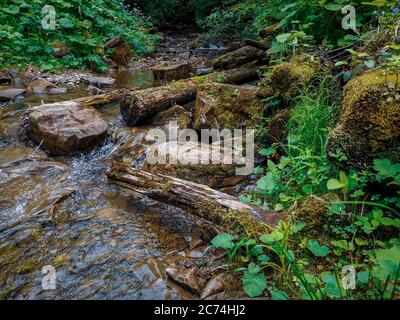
(103, 242)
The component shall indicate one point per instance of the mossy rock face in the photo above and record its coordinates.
(222, 106)
(369, 126)
(289, 78)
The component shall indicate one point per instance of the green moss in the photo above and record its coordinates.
(290, 77)
(369, 124)
(239, 222)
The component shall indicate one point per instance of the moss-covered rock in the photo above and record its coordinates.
(220, 106)
(289, 78)
(369, 126)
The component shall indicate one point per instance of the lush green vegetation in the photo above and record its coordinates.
(340, 219)
(81, 26)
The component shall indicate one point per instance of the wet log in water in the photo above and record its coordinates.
(197, 199)
(90, 101)
(101, 99)
(140, 105)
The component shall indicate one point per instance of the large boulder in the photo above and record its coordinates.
(34, 83)
(220, 106)
(40, 85)
(238, 58)
(66, 127)
(369, 125)
(289, 78)
(172, 72)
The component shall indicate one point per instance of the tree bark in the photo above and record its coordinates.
(140, 105)
(89, 102)
(255, 44)
(197, 199)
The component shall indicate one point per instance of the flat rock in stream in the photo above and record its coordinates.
(214, 286)
(31, 188)
(15, 153)
(188, 279)
(65, 129)
(10, 94)
(97, 81)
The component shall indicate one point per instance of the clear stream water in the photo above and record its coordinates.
(104, 242)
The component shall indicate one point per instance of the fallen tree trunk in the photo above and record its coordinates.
(90, 101)
(197, 199)
(101, 99)
(140, 105)
(255, 44)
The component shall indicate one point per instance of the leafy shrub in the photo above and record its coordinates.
(83, 26)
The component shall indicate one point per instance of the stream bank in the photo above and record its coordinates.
(103, 241)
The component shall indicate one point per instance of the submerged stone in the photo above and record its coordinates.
(10, 94)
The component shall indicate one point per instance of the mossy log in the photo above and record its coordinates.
(256, 44)
(197, 199)
(237, 58)
(140, 105)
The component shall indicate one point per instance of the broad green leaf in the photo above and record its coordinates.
(337, 208)
(334, 184)
(297, 227)
(66, 23)
(317, 249)
(254, 283)
(279, 295)
(332, 287)
(387, 263)
(333, 6)
(363, 277)
(223, 241)
(267, 182)
(272, 237)
(267, 152)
